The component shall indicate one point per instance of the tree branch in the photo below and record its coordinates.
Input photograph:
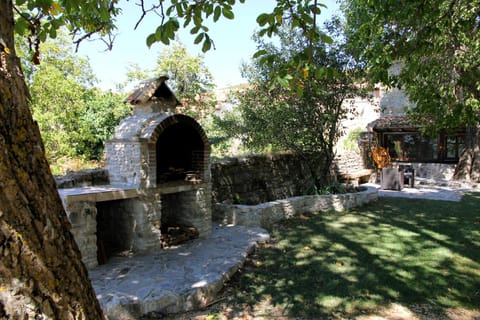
(154, 8)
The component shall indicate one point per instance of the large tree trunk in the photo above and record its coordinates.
(41, 274)
(468, 168)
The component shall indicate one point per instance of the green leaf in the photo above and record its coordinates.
(282, 81)
(259, 53)
(217, 13)
(53, 32)
(195, 30)
(208, 9)
(199, 38)
(21, 26)
(158, 33)
(188, 19)
(207, 44)
(227, 13)
(326, 39)
(299, 92)
(43, 35)
(151, 39)
(175, 24)
(263, 19)
(179, 8)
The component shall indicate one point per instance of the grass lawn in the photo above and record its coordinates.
(340, 265)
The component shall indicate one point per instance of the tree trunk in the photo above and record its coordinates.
(41, 274)
(468, 168)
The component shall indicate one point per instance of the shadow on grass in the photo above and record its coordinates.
(396, 250)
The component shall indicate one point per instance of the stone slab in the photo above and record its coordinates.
(431, 192)
(97, 193)
(175, 279)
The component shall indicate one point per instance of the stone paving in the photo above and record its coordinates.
(176, 279)
(429, 191)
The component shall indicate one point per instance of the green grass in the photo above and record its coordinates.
(396, 250)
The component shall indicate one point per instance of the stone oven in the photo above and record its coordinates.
(156, 146)
(164, 154)
(159, 173)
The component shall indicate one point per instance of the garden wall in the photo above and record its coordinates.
(267, 214)
(260, 178)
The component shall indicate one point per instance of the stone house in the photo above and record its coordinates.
(433, 158)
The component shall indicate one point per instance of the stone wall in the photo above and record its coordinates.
(189, 208)
(350, 161)
(126, 162)
(267, 214)
(84, 178)
(120, 226)
(83, 217)
(260, 178)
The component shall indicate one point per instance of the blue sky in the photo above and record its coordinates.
(232, 41)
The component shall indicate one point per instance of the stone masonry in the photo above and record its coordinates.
(125, 215)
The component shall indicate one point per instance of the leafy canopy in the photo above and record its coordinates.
(437, 45)
(74, 118)
(38, 19)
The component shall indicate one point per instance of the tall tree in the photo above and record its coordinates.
(437, 42)
(75, 119)
(40, 267)
(303, 118)
(42, 275)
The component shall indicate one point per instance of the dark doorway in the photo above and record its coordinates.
(114, 229)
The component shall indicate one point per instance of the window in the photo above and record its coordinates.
(414, 147)
(454, 147)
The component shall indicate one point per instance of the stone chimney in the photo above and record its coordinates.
(152, 96)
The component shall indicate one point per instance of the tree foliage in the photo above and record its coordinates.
(437, 44)
(75, 119)
(304, 116)
(190, 79)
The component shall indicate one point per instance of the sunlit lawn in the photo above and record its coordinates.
(396, 250)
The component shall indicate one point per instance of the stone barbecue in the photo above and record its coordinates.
(159, 173)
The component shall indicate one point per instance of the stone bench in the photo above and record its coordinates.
(356, 177)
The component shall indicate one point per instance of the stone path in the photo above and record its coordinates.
(175, 279)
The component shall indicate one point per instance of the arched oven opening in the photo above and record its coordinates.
(180, 154)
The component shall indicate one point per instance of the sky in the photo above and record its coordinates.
(233, 43)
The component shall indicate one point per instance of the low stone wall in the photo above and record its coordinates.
(84, 178)
(266, 214)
